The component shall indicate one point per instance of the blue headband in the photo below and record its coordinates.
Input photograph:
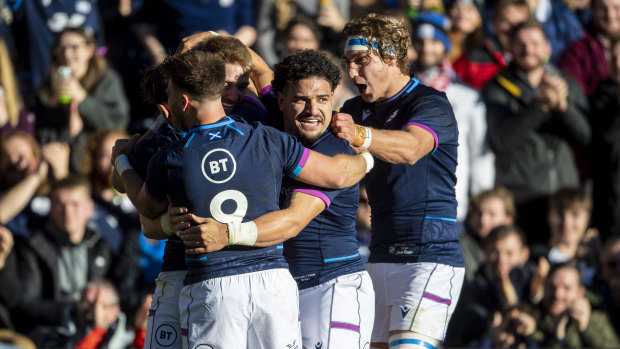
(360, 43)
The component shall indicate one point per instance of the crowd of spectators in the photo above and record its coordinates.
(535, 88)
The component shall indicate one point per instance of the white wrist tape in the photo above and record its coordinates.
(165, 224)
(368, 138)
(242, 233)
(122, 164)
(370, 161)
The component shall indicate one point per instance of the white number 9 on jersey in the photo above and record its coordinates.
(218, 200)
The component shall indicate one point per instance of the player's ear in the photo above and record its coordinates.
(187, 100)
(164, 109)
(281, 101)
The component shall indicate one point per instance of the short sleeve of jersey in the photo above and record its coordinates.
(290, 151)
(434, 114)
(330, 146)
(156, 180)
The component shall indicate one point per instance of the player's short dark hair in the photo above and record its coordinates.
(154, 85)
(392, 37)
(303, 65)
(230, 48)
(199, 74)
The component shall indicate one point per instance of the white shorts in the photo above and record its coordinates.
(163, 329)
(339, 313)
(253, 310)
(417, 297)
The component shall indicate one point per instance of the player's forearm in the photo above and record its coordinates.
(339, 171)
(152, 228)
(397, 147)
(134, 186)
(261, 74)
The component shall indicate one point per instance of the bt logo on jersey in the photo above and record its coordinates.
(218, 166)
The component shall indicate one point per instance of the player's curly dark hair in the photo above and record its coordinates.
(200, 74)
(387, 33)
(303, 65)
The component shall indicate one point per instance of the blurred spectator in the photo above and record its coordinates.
(57, 262)
(71, 108)
(301, 33)
(275, 15)
(13, 114)
(100, 322)
(568, 219)
(610, 261)
(534, 115)
(561, 25)
(585, 60)
(466, 32)
(504, 280)
(9, 292)
(605, 150)
(487, 210)
(36, 23)
(11, 286)
(583, 10)
(161, 24)
(24, 179)
(116, 219)
(480, 64)
(516, 329)
(114, 214)
(566, 318)
(475, 171)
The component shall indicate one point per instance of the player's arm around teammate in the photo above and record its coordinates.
(208, 235)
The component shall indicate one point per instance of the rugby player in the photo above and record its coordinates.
(415, 261)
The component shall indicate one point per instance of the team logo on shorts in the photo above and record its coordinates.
(219, 166)
(165, 335)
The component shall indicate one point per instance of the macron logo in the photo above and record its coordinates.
(404, 311)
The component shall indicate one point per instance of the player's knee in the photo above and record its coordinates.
(411, 340)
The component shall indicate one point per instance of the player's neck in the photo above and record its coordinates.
(210, 112)
(401, 80)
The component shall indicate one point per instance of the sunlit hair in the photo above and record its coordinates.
(91, 151)
(9, 84)
(498, 192)
(230, 48)
(94, 72)
(570, 198)
(197, 73)
(502, 232)
(527, 24)
(72, 182)
(387, 33)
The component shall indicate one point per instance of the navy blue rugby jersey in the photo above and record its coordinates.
(327, 247)
(229, 171)
(413, 206)
(141, 154)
